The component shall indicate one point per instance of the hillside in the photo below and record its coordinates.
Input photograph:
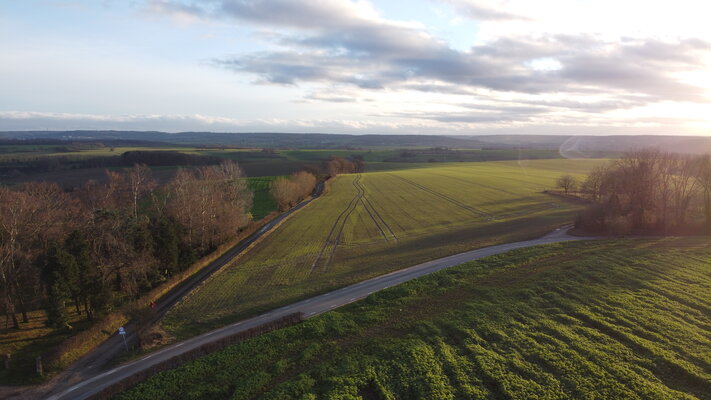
(373, 223)
(625, 319)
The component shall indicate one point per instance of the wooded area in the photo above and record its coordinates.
(104, 244)
(287, 192)
(649, 191)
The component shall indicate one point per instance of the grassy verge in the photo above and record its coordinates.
(625, 319)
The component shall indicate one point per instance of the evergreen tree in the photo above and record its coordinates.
(57, 266)
(167, 245)
(86, 277)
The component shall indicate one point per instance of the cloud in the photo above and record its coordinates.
(503, 122)
(23, 121)
(349, 43)
(476, 10)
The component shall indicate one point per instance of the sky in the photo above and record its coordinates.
(449, 67)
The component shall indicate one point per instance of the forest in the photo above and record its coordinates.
(103, 244)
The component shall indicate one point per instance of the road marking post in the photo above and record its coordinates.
(122, 332)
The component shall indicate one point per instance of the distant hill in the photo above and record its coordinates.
(569, 146)
(262, 139)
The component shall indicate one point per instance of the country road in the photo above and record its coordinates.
(92, 363)
(310, 307)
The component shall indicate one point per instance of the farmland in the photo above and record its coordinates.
(369, 224)
(622, 319)
(263, 203)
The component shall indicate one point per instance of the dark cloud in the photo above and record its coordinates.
(340, 42)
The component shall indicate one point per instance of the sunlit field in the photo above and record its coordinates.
(624, 319)
(372, 223)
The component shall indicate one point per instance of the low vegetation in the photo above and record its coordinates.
(372, 223)
(625, 319)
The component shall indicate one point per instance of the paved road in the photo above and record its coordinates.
(310, 307)
(91, 364)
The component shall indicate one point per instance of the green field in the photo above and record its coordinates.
(373, 223)
(625, 319)
(263, 203)
(422, 155)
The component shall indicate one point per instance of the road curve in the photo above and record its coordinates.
(91, 364)
(310, 307)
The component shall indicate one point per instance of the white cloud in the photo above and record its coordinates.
(342, 65)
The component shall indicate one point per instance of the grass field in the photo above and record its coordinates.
(263, 202)
(373, 223)
(422, 155)
(625, 319)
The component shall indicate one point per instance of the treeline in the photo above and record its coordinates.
(288, 192)
(339, 165)
(104, 244)
(58, 163)
(649, 191)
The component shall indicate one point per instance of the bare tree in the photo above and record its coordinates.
(30, 217)
(139, 184)
(288, 192)
(567, 182)
(593, 184)
(703, 177)
(664, 177)
(212, 203)
(650, 190)
(685, 186)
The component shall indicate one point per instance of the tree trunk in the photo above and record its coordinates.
(77, 304)
(89, 313)
(10, 310)
(707, 208)
(23, 310)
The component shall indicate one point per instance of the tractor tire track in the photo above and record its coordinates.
(359, 187)
(473, 210)
(331, 232)
(359, 196)
(342, 217)
(366, 204)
